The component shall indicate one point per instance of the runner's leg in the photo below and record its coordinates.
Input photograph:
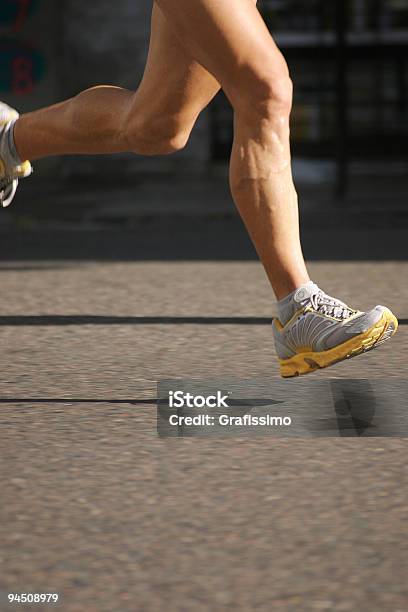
(232, 42)
(155, 119)
(159, 116)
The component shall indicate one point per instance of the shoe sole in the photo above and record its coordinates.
(24, 170)
(6, 202)
(305, 363)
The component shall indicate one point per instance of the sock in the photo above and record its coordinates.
(288, 306)
(8, 151)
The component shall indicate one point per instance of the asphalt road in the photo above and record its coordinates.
(96, 507)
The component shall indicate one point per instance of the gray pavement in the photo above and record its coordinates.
(96, 507)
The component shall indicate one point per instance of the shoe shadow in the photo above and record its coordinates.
(355, 407)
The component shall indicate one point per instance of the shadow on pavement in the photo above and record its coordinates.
(192, 239)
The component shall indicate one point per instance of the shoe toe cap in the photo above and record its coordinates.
(366, 320)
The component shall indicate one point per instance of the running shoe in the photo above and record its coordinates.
(9, 177)
(324, 331)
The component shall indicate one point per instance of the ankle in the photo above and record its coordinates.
(288, 305)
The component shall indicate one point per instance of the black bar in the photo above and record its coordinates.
(342, 99)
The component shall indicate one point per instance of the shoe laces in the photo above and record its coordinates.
(327, 305)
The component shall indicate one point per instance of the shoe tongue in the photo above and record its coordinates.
(304, 293)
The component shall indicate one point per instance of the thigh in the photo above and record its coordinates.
(228, 38)
(173, 82)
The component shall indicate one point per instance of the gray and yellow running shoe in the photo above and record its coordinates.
(324, 330)
(9, 177)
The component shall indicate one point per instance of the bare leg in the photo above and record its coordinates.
(156, 119)
(233, 43)
(84, 124)
(200, 45)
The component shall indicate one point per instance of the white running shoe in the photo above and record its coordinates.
(324, 331)
(9, 177)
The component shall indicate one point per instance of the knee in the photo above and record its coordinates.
(277, 94)
(163, 135)
(268, 93)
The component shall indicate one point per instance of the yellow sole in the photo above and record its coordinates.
(305, 363)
